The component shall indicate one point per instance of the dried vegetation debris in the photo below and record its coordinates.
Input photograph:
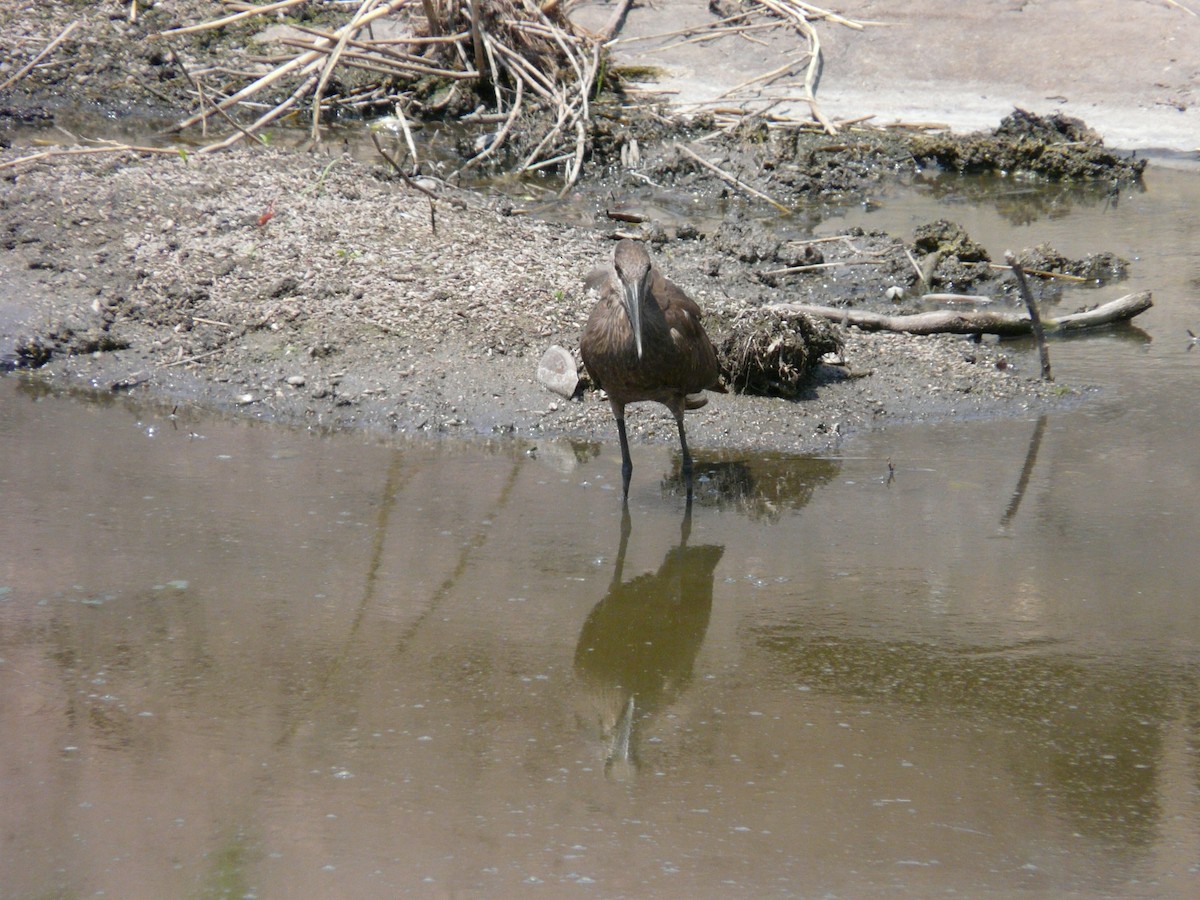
(325, 280)
(533, 89)
(773, 354)
(523, 61)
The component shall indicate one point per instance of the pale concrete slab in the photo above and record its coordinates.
(1129, 68)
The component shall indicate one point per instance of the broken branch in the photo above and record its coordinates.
(976, 321)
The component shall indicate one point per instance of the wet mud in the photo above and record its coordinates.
(315, 287)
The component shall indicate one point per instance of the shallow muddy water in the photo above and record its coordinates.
(245, 660)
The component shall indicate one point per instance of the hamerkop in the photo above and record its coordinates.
(644, 341)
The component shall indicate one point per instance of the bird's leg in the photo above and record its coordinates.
(622, 547)
(687, 457)
(626, 460)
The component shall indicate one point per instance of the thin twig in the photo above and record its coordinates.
(190, 359)
(766, 76)
(736, 182)
(714, 33)
(812, 267)
(1042, 273)
(46, 51)
(690, 30)
(89, 151)
(921, 276)
(228, 20)
(344, 34)
(411, 182)
(1035, 317)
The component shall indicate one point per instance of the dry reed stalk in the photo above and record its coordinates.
(89, 151)
(513, 49)
(228, 20)
(45, 51)
(732, 179)
(331, 63)
(305, 63)
(795, 13)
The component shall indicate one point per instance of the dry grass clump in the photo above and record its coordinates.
(512, 55)
(773, 354)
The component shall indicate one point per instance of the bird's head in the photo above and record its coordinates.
(632, 264)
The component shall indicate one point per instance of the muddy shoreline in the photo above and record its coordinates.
(345, 310)
(318, 289)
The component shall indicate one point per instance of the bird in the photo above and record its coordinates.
(644, 341)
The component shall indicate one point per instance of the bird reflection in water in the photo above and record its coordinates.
(638, 646)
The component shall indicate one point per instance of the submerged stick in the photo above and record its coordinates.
(1035, 317)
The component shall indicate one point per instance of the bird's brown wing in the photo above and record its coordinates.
(683, 316)
(607, 341)
(598, 277)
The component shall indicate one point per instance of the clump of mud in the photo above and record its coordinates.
(1057, 147)
(63, 338)
(952, 260)
(773, 354)
(1095, 268)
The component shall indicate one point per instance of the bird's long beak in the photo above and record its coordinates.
(632, 296)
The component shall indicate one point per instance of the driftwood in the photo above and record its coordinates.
(946, 321)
